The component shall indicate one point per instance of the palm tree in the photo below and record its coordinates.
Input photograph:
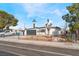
(48, 26)
(34, 23)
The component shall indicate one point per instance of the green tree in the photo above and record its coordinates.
(73, 17)
(7, 20)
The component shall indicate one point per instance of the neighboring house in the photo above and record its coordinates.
(20, 31)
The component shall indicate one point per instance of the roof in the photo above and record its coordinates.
(45, 27)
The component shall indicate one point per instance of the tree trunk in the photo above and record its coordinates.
(48, 31)
(77, 34)
(7, 28)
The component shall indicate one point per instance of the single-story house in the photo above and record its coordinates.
(55, 31)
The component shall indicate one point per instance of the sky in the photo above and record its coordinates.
(26, 12)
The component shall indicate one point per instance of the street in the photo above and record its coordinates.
(20, 49)
(2, 53)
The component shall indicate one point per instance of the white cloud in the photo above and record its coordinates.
(41, 10)
(34, 9)
(65, 10)
(57, 12)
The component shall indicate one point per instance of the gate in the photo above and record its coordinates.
(31, 32)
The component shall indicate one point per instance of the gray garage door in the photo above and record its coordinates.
(31, 32)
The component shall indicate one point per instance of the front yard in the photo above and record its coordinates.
(42, 38)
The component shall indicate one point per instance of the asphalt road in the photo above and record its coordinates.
(20, 49)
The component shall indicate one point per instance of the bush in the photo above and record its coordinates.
(68, 38)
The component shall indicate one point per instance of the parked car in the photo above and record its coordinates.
(2, 34)
(9, 34)
(6, 33)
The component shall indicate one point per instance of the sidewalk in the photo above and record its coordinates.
(44, 43)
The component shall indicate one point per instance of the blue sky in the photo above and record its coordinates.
(25, 13)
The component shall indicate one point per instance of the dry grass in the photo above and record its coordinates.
(42, 38)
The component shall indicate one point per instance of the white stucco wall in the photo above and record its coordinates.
(25, 33)
(40, 33)
(53, 31)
